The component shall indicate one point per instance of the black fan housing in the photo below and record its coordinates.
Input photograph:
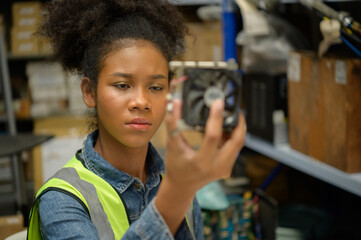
(202, 87)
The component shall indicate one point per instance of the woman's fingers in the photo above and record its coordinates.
(213, 130)
(173, 117)
(210, 155)
(230, 150)
(175, 138)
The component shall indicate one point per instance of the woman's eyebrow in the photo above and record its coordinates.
(128, 75)
(158, 76)
(119, 74)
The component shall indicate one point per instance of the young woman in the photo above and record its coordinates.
(116, 186)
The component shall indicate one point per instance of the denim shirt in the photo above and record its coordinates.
(63, 217)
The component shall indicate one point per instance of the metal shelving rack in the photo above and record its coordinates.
(292, 158)
(12, 143)
(283, 153)
(286, 155)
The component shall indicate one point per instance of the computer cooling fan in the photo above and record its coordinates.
(202, 87)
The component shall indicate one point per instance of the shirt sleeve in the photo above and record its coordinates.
(63, 217)
(183, 231)
(150, 225)
(198, 221)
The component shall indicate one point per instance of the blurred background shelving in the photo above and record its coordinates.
(302, 179)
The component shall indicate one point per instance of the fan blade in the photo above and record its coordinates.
(202, 81)
(197, 111)
(204, 114)
(194, 96)
(223, 81)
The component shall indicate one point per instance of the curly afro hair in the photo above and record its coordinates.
(83, 32)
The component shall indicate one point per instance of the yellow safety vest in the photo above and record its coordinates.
(107, 211)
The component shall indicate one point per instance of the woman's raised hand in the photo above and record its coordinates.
(188, 169)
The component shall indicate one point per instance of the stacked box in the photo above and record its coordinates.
(69, 132)
(10, 225)
(342, 99)
(305, 99)
(47, 88)
(26, 18)
(23, 42)
(204, 42)
(76, 104)
(324, 102)
(26, 14)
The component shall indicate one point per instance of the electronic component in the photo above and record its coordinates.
(205, 83)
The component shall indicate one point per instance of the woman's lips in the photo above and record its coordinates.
(139, 124)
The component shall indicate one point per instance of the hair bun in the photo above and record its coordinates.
(71, 25)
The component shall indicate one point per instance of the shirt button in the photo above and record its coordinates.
(136, 185)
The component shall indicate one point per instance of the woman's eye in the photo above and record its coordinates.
(156, 88)
(122, 86)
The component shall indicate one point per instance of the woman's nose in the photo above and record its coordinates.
(139, 101)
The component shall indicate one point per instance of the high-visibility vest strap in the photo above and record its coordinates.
(107, 211)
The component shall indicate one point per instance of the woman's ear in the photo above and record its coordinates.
(88, 93)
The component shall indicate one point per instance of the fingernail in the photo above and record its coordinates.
(218, 104)
(176, 101)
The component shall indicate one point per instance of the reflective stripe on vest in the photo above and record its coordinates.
(190, 221)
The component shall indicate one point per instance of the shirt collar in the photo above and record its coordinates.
(120, 180)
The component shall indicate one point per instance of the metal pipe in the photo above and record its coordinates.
(6, 88)
(229, 23)
(18, 176)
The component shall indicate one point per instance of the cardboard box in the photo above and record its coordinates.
(23, 42)
(22, 108)
(26, 8)
(26, 22)
(258, 168)
(26, 14)
(67, 130)
(342, 100)
(10, 225)
(324, 102)
(306, 104)
(22, 48)
(204, 42)
(23, 34)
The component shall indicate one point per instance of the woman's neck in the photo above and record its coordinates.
(126, 159)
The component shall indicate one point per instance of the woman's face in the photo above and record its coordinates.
(131, 94)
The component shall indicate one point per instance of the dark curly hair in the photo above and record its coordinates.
(83, 32)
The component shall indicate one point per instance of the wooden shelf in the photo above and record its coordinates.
(11, 57)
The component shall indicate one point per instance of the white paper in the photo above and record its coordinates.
(57, 152)
(340, 72)
(294, 68)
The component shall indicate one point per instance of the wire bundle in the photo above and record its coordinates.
(350, 30)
